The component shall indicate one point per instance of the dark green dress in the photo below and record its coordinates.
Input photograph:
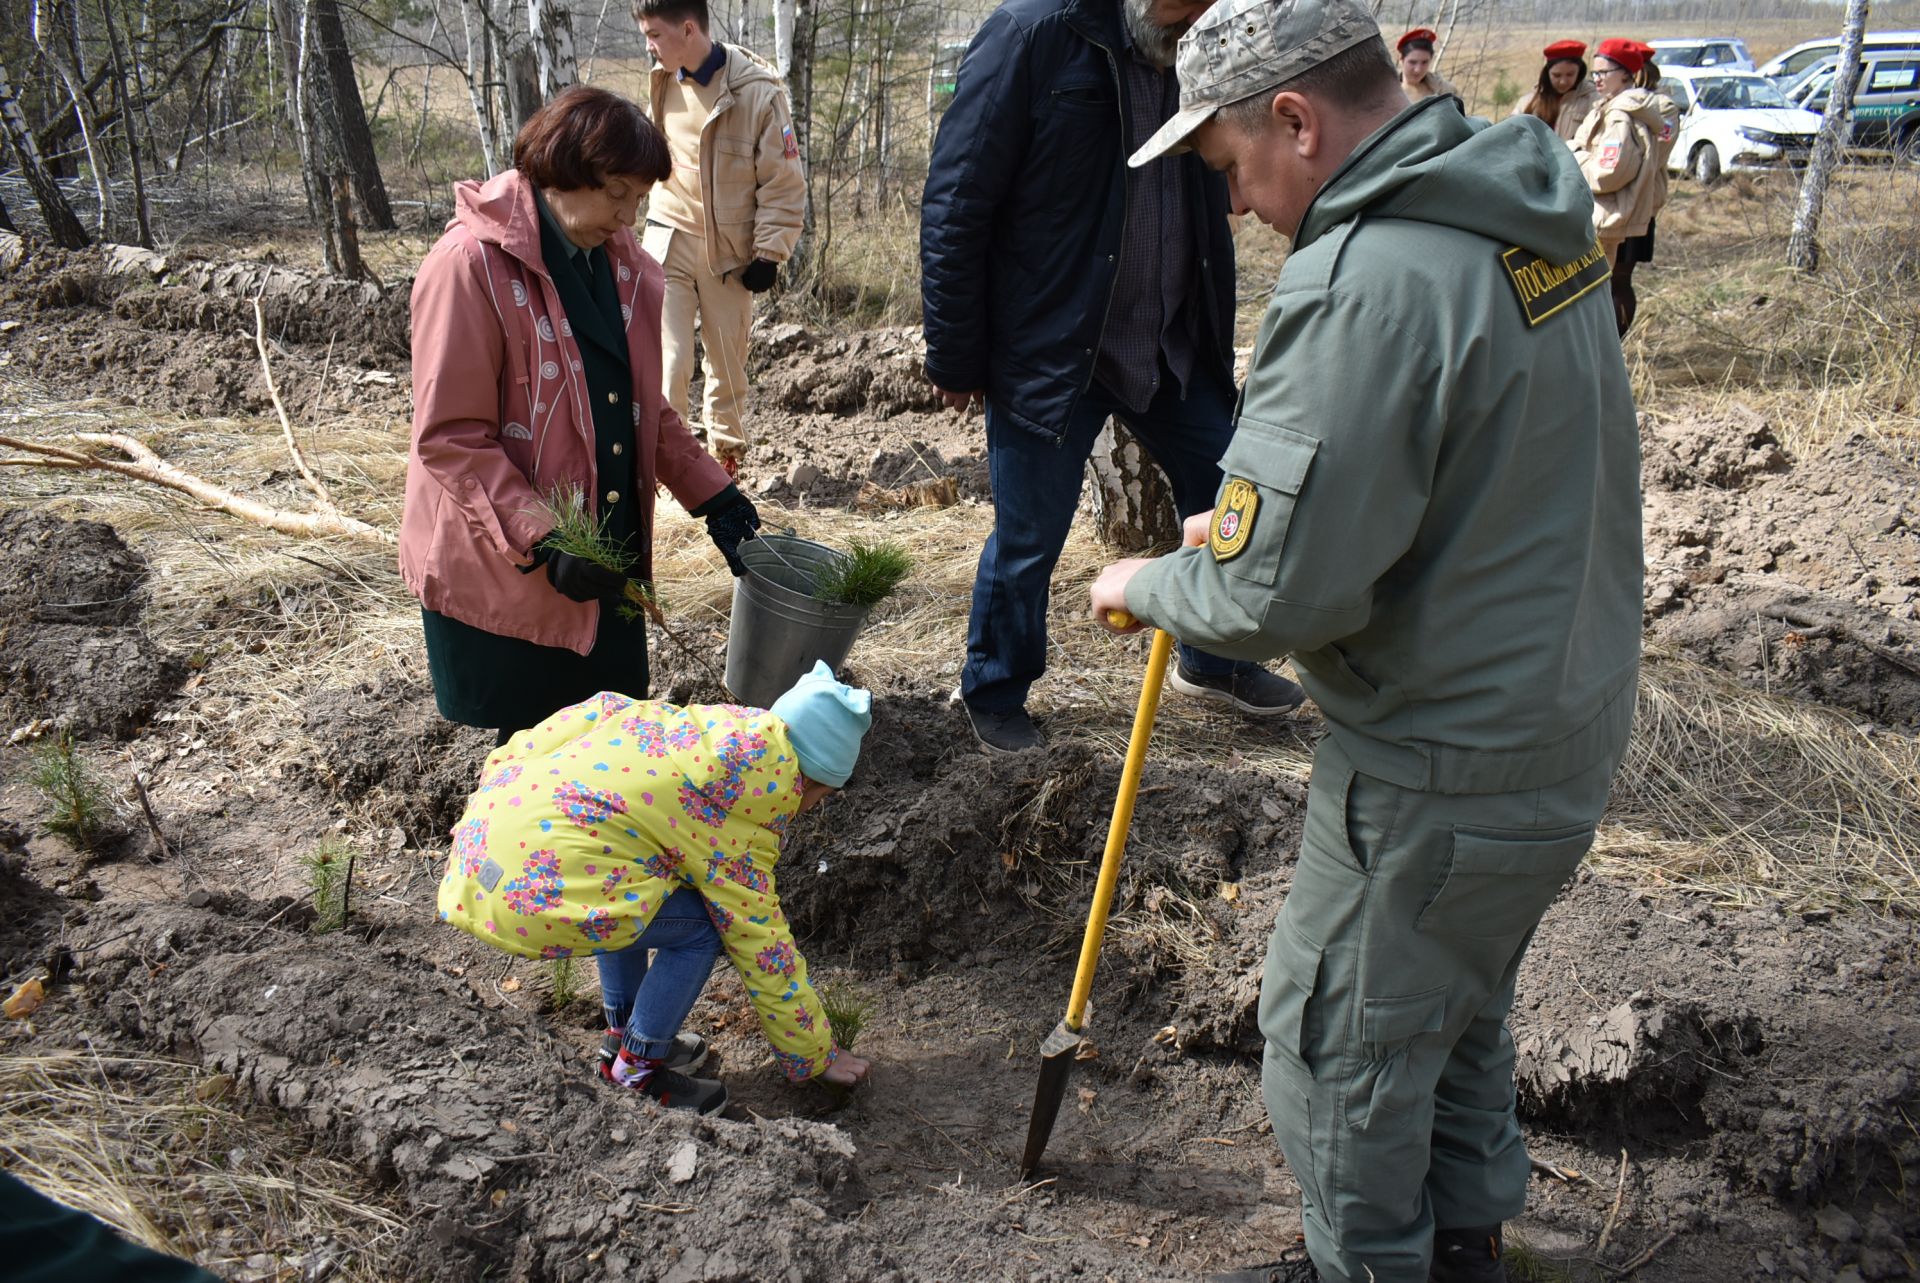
(505, 683)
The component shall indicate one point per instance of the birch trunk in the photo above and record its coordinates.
(59, 49)
(551, 23)
(1803, 247)
(142, 216)
(62, 224)
(1132, 500)
(479, 91)
(783, 37)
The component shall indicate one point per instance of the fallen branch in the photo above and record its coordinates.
(1812, 625)
(153, 820)
(1622, 1271)
(1613, 1217)
(286, 425)
(147, 466)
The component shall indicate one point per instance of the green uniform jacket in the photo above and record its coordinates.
(1432, 497)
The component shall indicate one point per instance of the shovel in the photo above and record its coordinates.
(1062, 1046)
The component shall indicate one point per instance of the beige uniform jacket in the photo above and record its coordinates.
(1432, 86)
(752, 186)
(1574, 108)
(1622, 150)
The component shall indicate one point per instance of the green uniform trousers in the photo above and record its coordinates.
(1389, 1068)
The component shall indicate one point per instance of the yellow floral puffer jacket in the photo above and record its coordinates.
(582, 827)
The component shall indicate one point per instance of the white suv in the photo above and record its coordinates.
(1802, 56)
(1728, 53)
(1733, 120)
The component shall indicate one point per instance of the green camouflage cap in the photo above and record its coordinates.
(1240, 47)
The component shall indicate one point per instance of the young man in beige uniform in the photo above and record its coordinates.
(729, 215)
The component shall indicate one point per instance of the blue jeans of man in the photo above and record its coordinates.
(1036, 489)
(650, 1002)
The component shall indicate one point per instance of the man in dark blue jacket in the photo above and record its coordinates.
(1064, 289)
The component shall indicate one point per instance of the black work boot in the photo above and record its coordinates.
(1470, 1255)
(1293, 1267)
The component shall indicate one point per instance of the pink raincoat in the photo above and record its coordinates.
(500, 418)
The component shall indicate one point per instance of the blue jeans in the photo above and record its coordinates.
(650, 1003)
(1036, 487)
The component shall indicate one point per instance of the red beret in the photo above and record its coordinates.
(1629, 55)
(1427, 34)
(1565, 51)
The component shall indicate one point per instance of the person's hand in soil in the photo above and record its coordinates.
(576, 577)
(1109, 595)
(847, 1070)
(731, 520)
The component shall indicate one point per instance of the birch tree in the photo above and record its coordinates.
(1803, 247)
(551, 23)
(53, 35)
(62, 224)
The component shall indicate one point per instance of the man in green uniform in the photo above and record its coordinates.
(1432, 503)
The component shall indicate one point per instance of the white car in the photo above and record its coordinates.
(1802, 56)
(1733, 120)
(1728, 53)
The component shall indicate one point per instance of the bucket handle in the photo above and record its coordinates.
(789, 533)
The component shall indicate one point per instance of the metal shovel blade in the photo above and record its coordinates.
(1057, 1055)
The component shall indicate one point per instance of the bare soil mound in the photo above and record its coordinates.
(184, 341)
(1800, 576)
(72, 651)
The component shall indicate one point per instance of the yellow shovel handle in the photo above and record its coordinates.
(1117, 830)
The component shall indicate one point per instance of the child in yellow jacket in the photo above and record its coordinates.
(619, 826)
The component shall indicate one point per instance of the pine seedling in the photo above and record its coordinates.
(865, 575)
(565, 974)
(578, 533)
(330, 872)
(74, 794)
(845, 1008)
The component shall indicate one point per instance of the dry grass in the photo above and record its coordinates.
(160, 1152)
(1751, 798)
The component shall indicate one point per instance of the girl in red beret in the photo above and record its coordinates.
(1564, 95)
(1622, 147)
(1417, 76)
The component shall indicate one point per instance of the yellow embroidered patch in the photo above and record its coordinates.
(1233, 519)
(1546, 288)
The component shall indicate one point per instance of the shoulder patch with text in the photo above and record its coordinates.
(1233, 519)
(1545, 288)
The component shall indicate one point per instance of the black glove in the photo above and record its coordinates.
(584, 580)
(731, 519)
(758, 275)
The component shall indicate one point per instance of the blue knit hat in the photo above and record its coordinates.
(826, 719)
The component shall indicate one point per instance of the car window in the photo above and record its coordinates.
(1678, 90)
(1799, 62)
(1679, 55)
(1891, 78)
(1730, 93)
(1717, 56)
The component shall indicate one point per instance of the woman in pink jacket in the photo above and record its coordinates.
(536, 375)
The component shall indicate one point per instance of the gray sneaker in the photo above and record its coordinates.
(1012, 732)
(1249, 688)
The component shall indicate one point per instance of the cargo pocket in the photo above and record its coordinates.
(1286, 995)
(1498, 885)
(1394, 1077)
(1273, 461)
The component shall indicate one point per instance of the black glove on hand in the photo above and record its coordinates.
(583, 580)
(758, 275)
(731, 519)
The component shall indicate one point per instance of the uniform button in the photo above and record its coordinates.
(617, 447)
(613, 398)
(613, 496)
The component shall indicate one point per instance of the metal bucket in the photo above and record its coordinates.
(778, 627)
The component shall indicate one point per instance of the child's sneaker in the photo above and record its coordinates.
(688, 1054)
(672, 1090)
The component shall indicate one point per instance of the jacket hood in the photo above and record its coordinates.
(1514, 182)
(500, 211)
(1644, 105)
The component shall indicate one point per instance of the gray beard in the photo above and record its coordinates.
(1151, 43)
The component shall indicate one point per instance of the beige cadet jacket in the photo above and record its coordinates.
(1432, 86)
(1622, 149)
(752, 186)
(1575, 107)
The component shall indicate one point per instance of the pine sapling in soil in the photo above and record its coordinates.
(865, 575)
(74, 794)
(330, 872)
(564, 972)
(845, 1008)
